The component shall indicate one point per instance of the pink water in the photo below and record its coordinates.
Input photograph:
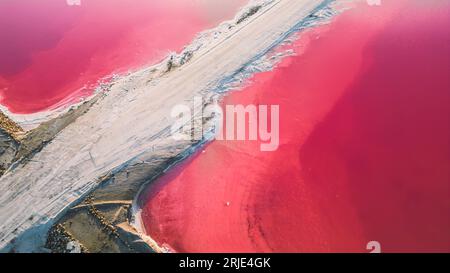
(51, 51)
(364, 152)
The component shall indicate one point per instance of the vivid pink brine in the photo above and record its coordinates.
(363, 155)
(52, 52)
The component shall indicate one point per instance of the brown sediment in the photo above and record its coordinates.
(59, 238)
(101, 229)
(248, 14)
(12, 128)
(10, 136)
(8, 150)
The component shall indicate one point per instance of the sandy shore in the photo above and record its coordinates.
(132, 118)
